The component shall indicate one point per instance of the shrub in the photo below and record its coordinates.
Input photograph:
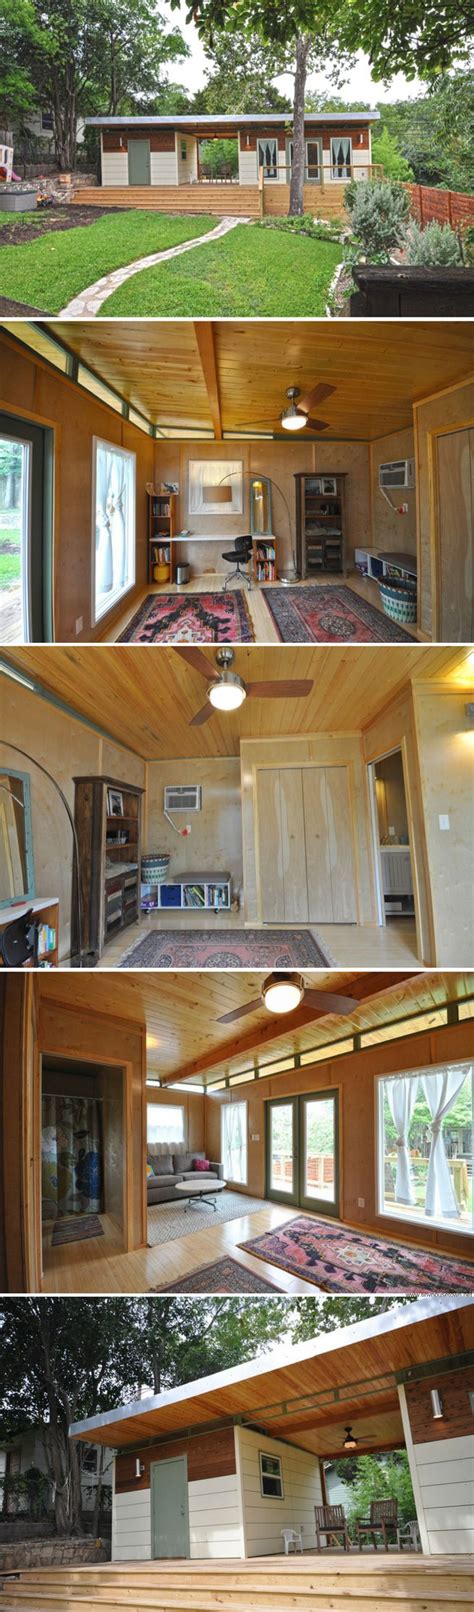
(469, 244)
(436, 246)
(306, 224)
(378, 214)
(386, 149)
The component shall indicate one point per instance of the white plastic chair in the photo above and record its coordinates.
(292, 1539)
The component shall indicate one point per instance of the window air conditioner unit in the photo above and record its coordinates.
(183, 798)
(400, 473)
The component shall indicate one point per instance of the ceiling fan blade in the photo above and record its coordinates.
(202, 715)
(240, 1013)
(317, 425)
(330, 1001)
(196, 659)
(317, 394)
(290, 688)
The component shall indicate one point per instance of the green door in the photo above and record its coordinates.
(169, 1508)
(139, 162)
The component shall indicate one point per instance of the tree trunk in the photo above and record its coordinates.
(98, 1493)
(65, 119)
(296, 207)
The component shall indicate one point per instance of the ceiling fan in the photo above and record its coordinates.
(226, 691)
(351, 1442)
(299, 409)
(283, 993)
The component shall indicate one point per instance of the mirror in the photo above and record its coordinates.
(16, 847)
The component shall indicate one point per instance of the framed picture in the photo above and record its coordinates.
(215, 487)
(114, 803)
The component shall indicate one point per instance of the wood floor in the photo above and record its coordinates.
(348, 945)
(262, 622)
(265, 1584)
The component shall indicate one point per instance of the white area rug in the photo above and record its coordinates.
(169, 1220)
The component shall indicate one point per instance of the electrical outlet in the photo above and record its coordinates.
(443, 820)
(256, 1138)
(361, 1203)
(404, 509)
(79, 624)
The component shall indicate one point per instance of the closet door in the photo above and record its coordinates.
(318, 865)
(272, 895)
(293, 846)
(281, 843)
(455, 529)
(339, 829)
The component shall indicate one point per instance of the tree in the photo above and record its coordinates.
(239, 76)
(380, 1477)
(415, 37)
(386, 150)
(325, 1315)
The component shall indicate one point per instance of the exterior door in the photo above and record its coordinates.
(281, 1119)
(26, 461)
(139, 162)
(455, 528)
(313, 161)
(169, 1509)
(302, 1151)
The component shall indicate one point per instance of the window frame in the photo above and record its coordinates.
(341, 179)
(399, 1212)
(266, 1455)
(37, 568)
(263, 140)
(177, 1108)
(98, 615)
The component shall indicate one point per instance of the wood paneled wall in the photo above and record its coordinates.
(355, 1076)
(446, 755)
(319, 750)
(456, 1421)
(389, 530)
(451, 409)
(20, 1135)
(210, 1455)
(193, 1104)
(28, 387)
(67, 1032)
(67, 748)
(215, 841)
(396, 726)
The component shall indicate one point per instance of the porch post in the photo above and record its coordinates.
(261, 192)
(420, 1510)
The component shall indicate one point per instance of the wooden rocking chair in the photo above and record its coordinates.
(331, 1521)
(383, 1515)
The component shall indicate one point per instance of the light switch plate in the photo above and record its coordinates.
(443, 820)
(79, 624)
(361, 1203)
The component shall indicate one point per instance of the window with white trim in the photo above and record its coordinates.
(234, 1141)
(425, 1146)
(164, 1123)
(341, 156)
(271, 1476)
(114, 479)
(267, 158)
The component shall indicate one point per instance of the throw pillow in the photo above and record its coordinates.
(150, 1170)
(201, 1164)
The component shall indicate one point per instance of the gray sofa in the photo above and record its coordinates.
(169, 1168)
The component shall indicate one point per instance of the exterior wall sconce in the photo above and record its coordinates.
(436, 1405)
(139, 1468)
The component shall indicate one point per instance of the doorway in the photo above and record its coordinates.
(302, 1151)
(26, 502)
(392, 838)
(139, 167)
(83, 1154)
(454, 517)
(169, 1509)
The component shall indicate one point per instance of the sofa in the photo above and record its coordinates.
(169, 1168)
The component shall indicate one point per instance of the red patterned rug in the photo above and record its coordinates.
(223, 1276)
(226, 948)
(342, 1261)
(199, 618)
(330, 615)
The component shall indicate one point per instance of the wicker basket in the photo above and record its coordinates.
(155, 867)
(398, 599)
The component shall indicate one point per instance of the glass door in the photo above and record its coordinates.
(25, 532)
(282, 1159)
(302, 1142)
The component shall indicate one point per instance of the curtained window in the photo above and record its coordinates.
(234, 1141)
(114, 507)
(267, 158)
(425, 1151)
(164, 1122)
(341, 156)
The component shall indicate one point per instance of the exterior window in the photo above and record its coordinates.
(271, 1476)
(234, 1141)
(114, 478)
(341, 156)
(164, 1123)
(425, 1154)
(47, 122)
(267, 158)
(89, 1460)
(184, 151)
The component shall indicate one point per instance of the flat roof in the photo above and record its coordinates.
(279, 1390)
(228, 118)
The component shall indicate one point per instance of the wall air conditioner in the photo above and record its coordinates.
(183, 798)
(400, 473)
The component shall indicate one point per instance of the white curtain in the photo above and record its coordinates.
(234, 1141)
(104, 552)
(402, 1095)
(117, 514)
(441, 1090)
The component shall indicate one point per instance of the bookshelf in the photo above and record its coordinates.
(199, 892)
(320, 524)
(264, 560)
(45, 919)
(161, 533)
(108, 822)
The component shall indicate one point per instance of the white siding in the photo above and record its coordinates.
(131, 1527)
(265, 1518)
(187, 168)
(248, 173)
(445, 1472)
(214, 1518)
(114, 167)
(163, 169)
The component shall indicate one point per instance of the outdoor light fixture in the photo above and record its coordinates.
(292, 418)
(436, 1405)
(282, 993)
(139, 1468)
(228, 693)
(350, 1443)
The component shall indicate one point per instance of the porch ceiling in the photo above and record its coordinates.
(378, 370)
(346, 1362)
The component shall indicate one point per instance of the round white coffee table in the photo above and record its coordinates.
(200, 1192)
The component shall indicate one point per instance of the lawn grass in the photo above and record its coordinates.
(47, 272)
(250, 272)
(9, 569)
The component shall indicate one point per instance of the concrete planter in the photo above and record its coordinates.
(17, 201)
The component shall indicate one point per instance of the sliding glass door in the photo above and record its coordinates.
(302, 1144)
(25, 531)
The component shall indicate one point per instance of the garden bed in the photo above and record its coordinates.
(29, 226)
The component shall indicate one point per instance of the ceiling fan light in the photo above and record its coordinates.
(350, 1443)
(228, 693)
(282, 993)
(292, 419)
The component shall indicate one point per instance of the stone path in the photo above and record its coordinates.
(88, 302)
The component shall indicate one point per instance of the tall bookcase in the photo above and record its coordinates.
(161, 532)
(320, 524)
(108, 823)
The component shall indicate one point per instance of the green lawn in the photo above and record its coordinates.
(47, 272)
(250, 272)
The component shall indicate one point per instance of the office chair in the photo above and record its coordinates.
(241, 553)
(18, 943)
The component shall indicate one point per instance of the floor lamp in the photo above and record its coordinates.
(79, 959)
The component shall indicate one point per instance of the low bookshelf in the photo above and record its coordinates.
(161, 534)
(197, 892)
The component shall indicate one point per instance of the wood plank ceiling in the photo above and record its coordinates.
(181, 1010)
(169, 369)
(146, 698)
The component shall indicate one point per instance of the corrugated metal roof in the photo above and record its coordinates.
(267, 118)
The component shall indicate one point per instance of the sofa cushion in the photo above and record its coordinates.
(163, 1180)
(200, 1175)
(162, 1163)
(183, 1161)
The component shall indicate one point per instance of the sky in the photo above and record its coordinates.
(358, 86)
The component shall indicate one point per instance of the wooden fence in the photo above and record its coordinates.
(446, 206)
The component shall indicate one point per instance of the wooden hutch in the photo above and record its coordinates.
(108, 823)
(320, 524)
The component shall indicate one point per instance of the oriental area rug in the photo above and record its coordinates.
(226, 948)
(342, 1261)
(197, 618)
(223, 1276)
(329, 615)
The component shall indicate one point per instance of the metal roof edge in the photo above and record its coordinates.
(230, 117)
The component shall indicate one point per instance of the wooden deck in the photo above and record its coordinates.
(329, 1583)
(233, 201)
